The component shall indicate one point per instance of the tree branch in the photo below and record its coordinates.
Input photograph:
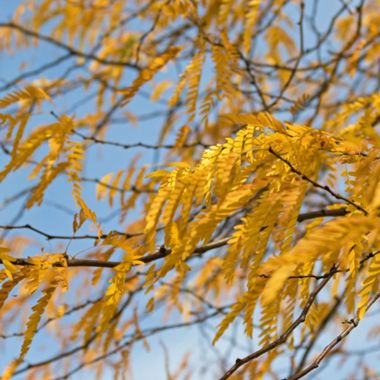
(284, 336)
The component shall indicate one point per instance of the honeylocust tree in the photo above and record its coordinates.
(190, 186)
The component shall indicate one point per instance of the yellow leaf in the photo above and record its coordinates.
(101, 186)
(158, 174)
(28, 93)
(182, 165)
(159, 89)
(7, 262)
(275, 283)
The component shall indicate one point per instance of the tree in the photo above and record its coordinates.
(236, 143)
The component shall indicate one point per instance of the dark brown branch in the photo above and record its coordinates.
(36, 71)
(132, 188)
(132, 339)
(285, 335)
(351, 325)
(316, 184)
(160, 253)
(69, 49)
(86, 344)
(48, 236)
(138, 144)
(66, 237)
(298, 59)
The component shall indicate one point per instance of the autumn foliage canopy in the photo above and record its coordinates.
(210, 166)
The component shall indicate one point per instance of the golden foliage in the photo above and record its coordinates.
(28, 93)
(253, 199)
